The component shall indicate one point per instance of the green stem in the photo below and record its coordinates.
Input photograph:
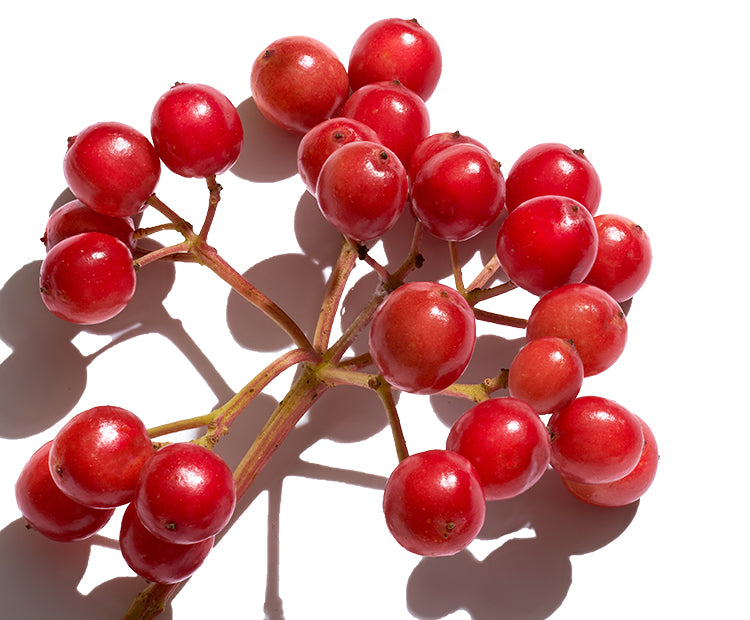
(385, 394)
(474, 296)
(339, 276)
(213, 200)
(477, 392)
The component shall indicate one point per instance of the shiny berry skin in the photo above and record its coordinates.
(97, 455)
(155, 559)
(397, 114)
(594, 440)
(586, 315)
(553, 169)
(362, 190)
(547, 242)
(322, 140)
(546, 373)
(396, 49)
(48, 510)
(422, 337)
(196, 130)
(185, 493)
(298, 82)
(112, 168)
(628, 489)
(506, 442)
(458, 192)
(433, 503)
(435, 143)
(88, 278)
(74, 218)
(623, 260)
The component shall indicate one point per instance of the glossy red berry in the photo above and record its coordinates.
(435, 143)
(396, 49)
(546, 373)
(298, 82)
(155, 559)
(97, 455)
(586, 315)
(396, 113)
(553, 169)
(362, 190)
(506, 442)
(196, 130)
(185, 493)
(458, 192)
(112, 168)
(74, 218)
(422, 337)
(594, 440)
(322, 140)
(48, 510)
(547, 242)
(433, 503)
(623, 259)
(88, 278)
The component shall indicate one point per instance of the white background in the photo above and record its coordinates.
(655, 92)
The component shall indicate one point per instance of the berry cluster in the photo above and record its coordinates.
(367, 154)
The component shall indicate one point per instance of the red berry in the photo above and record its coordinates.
(88, 278)
(546, 373)
(196, 130)
(397, 114)
(625, 490)
(506, 442)
(185, 493)
(396, 49)
(111, 168)
(586, 315)
(298, 82)
(155, 559)
(547, 242)
(75, 217)
(322, 140)
(594, 440)
(553, 169)
(435, 143)
(433, 503)
(458, 192)
(362, 190)
(422, 337)
(623, 259)
(48, 510)
(97, 455)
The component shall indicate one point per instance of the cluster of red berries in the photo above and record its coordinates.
(366, 153)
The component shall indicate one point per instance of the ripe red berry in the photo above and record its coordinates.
(623, 258)
(396, 113)
(594, 440)
(48, 510)
(546, 373)
(547, 242)
(88, 278)
(362, 190)
(155, 559)
(75, 217)
(97, 455)
(506, 442)
(553, 169)
(433, 503)
(586, 315)
(422, 337)
(322, 140)
(298, 82)
(196, 130)
(435, 143)
(185, 493)
(396, 49)
(625, 490)
(112, 168)
(458, 192)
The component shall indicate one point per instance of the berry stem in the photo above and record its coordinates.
(151, 601)
(484, 276)
(477, 392)
(385, 393)
(474, 296)
(456, 265)
(499, 319)
(339, 276)
(213, 200)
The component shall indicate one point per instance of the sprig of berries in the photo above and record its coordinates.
(367, 154)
